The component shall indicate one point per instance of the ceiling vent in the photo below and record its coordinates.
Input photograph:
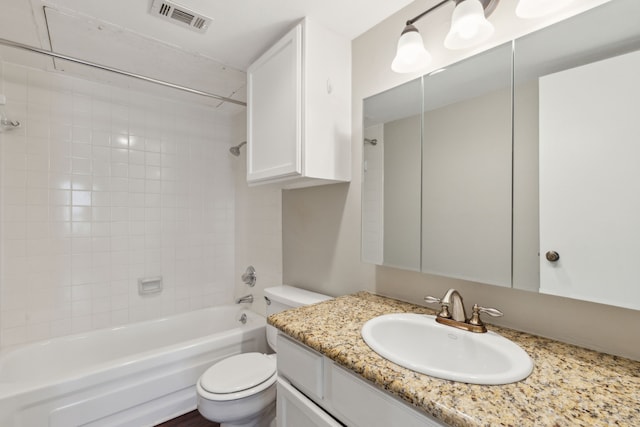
(180, 15)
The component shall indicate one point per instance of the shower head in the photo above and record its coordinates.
(235, 150)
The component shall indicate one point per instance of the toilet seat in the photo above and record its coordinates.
(238, 376)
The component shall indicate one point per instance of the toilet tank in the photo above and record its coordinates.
(280, 298)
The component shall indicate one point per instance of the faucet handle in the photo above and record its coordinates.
(432, 300)
(475, 317)
(444, 306)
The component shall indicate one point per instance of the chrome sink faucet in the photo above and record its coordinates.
(452, 312)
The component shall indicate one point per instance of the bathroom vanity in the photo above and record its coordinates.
(324, 361)
(308, 378)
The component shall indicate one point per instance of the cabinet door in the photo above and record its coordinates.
(274, 129)
(295, 409)
(590, 181)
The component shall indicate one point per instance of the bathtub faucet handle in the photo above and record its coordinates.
(249, 277)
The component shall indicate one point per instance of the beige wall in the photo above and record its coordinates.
(321, 226)
(258, 227)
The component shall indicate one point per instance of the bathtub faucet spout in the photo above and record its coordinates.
(246, 298)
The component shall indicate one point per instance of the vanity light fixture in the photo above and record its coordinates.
(529, 9)
(469, 27)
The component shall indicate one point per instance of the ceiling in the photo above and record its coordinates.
(123, 34)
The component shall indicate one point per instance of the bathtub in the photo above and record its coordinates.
(135, 375)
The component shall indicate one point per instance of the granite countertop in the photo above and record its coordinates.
(569, 386)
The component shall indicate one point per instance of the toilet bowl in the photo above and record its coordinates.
(240, 391)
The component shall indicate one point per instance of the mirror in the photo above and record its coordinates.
(391, 177)
(466, 169)
(576, 104)
(567, 77)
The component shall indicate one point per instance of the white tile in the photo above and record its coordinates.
(118, 244)
(119, 317)
(80, 166)
(137, 143)
(80, 323)
(14, 336)
(61, 327)
(120, 140)
(119, 170)
(81, 150)
(100, 183)
(80, 245)
(101, 198)
(102, 213)
(13, 318)
(60, 197)
(60, 163)
(81, 134)
(119, 155)
(101, 168)
(101, 138)
(108, 192)
(81, 213)
(38, 162)
(101, 320)
(80, 229)
(100, 229)
(101, 305)
(136, 171)
(136, 157)
(14, 178)
(81, 198)
(80, 182)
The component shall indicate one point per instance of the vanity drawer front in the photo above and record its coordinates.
(301, 366)
(359, 404)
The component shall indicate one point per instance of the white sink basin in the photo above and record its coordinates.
(419, 343)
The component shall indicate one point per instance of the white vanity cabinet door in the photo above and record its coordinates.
(313, 390)
(296, 410)
(299, 110)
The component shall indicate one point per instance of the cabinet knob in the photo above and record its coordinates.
(552, 256)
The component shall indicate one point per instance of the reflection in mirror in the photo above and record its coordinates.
(466, 185)
(391, 177)
(577, 88)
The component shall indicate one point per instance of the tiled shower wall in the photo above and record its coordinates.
(102, 186)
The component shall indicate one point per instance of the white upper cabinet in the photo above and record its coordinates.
(299, 110)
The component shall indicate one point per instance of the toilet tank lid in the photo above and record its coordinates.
(294, 297)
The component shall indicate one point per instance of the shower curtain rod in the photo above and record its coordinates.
(121, 72)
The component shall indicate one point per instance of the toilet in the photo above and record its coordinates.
(240, 391)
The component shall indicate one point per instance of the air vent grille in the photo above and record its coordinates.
(199, 23)
(180, 15)
(164, 9)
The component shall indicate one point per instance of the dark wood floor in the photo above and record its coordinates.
(190, 419)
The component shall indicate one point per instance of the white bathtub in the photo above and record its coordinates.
(135, 375)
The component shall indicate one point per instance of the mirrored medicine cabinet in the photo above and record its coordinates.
(518, 167)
